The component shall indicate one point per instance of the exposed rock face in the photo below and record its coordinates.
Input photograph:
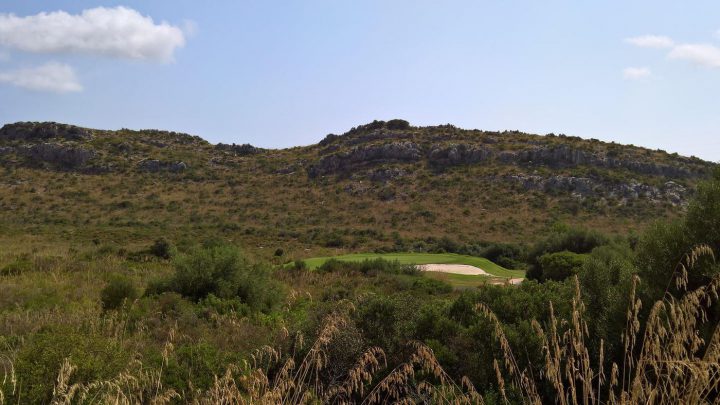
(461, 154)
(41, 131)
(440, 156)
(240, 150)
(385, 175)
(154, 166)
(586, 187)
(360, 155)
(61, 156)
(557, 156)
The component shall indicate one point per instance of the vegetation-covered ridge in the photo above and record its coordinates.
(380, 186)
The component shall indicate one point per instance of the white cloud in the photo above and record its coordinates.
(701, 54)
(651, 41)
(636, 73)
(707, 55)
(51, 77)
(117, 32)
(4, 56)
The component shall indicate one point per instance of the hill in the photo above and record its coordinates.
(384, 185)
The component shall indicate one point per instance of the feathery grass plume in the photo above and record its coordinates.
(133, 386)
(8, 377)
(358, 377)
(406, 383)
(671, 364)
(521, 380)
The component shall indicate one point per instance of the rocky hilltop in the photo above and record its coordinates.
(438, 180)
(445, 147)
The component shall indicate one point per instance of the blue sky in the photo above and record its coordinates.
(278, 74)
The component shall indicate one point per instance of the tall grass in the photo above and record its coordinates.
(666, 360)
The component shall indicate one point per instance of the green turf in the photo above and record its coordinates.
(424, 258)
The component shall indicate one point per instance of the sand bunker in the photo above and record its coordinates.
(467, 270)
(455, 269)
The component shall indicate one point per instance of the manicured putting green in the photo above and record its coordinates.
(424, 258)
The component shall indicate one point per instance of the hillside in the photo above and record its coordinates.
(377, 186)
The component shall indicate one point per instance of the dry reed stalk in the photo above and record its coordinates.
(672, 364)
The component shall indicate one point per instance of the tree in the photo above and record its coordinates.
(561, 265)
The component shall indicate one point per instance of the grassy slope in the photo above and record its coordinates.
(267, 201)
(424, 258)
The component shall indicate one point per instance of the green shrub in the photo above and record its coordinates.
(162, 248)
(432, 286)
(563, 238)
(116, 292)
(397, 124)
(561, 265)
(40, 358)
(368, 267)
(220, 270)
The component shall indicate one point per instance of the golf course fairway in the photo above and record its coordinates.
(423, 258)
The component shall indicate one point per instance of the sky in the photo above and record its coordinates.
(287, 73)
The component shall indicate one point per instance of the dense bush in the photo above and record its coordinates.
(664, 245)
(397, 124)
(220, 270)
(116, 292)
(562, 238)
(504, 254)
(561, 265)
(368, 267)
(162, 248)
(38, 362)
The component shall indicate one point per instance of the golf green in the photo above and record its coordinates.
(423, 258)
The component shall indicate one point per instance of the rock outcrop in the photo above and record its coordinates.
(154, 166)
(56, 155)
(362, 155)
(441, 156)
(388, 174)
(585, 187)
(552, 156)
(239, 150)
(459, 154)
(42, 131)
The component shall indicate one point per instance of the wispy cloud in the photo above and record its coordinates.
(651, 41)
(636, 73)
(701, 54)
(50, 77)
(116, 32)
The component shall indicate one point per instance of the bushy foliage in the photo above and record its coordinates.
(368, 267)
(665, 244)
(606, 281)
(221, 270)
(561, 265)
(397, 124)
(38, 362)
(562, 238)
(117, 291)
(162, 248)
